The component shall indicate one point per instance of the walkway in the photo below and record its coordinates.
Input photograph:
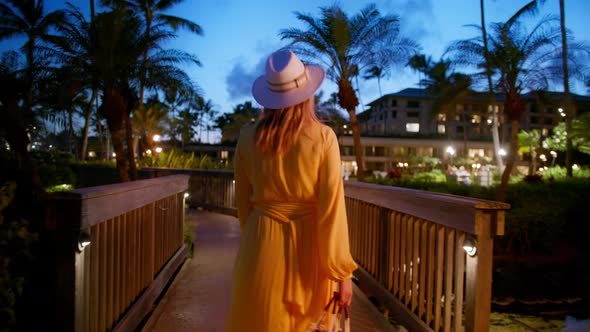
(198, 299)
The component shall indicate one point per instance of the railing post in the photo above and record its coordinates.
(478, 292)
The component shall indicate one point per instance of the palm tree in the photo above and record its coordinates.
(345, 46)
(76, 48)
(569, 110)
(148, 121)
(520, 59)
(446, 86)
(155, 22)
(491, 94)
(27, 18)
(230, 124)
(375, 72)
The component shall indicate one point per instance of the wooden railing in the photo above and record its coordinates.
(210, 189)
(409, 245)
(136, 245)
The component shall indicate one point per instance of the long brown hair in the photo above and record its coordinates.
(278, 129)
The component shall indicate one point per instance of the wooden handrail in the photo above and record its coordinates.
(409, 244)
(136, 244)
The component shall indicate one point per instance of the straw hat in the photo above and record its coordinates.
(286, 81)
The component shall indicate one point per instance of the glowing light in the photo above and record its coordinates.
(114, 154)
(148, 152)
(157, 138)
(470, 246)
(91, 154)
(450, 150)
(501, 152)
(158, 149)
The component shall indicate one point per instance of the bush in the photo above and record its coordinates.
(54, 167)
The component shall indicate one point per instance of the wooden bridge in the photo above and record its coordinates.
(408, 243)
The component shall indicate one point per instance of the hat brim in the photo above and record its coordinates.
(275, 100)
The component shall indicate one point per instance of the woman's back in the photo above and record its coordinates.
(289, 177)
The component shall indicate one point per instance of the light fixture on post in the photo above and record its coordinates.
(84, 239)
(470, 246)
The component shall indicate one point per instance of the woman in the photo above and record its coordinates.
(294, 247)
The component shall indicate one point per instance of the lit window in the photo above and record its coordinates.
(475, 153)
(413, 127)
(476, 119)
(441, 129)
(442, 117)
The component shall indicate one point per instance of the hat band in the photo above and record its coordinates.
(296, 83)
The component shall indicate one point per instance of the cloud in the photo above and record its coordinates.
(240, 78)
(416, 16)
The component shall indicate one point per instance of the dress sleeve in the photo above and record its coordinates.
(243, 186)
(332, 224)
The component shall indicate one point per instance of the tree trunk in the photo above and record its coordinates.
(130, 149)
(491, 96)
(569, 110)
(358, 148)
(501, 193)
(72, 133)
(115, 110)
(83, 153)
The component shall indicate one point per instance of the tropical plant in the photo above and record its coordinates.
(444, 84)
(155, 22)
(345, 46)
(375, 72)
(149, 121)
(530, 142)
(230, 124)
(580, 134)
(28, 18)
(491, 94)
(519, 60)
(76, 48)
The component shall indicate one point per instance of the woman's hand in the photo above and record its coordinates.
(345, 289)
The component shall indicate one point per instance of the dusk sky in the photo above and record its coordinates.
(239, 35)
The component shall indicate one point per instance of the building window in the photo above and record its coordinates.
(545, 131)
(534, 120)
(475, 153)
(346, 150)
(548, 121)
(381, 117)
(393, 102)
(394, 114)
(224, 154)
(412, 127)
(460, 129)
(476, 119)
(441, 117)
(413, 114)
(413, 104)
(441, 129)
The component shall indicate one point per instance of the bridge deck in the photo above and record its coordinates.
(198, 299)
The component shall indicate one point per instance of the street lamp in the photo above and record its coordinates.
(451, 151)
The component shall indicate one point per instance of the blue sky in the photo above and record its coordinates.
(240, 34)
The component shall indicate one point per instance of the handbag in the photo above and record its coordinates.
(335, 323)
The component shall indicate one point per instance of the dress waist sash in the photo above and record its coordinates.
(295, 294)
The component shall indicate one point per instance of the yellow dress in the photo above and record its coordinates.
(294, 243)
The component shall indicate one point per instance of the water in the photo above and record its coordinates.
(571, 324)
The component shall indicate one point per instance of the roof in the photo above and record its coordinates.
(478, 96)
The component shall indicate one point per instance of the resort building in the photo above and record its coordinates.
(401, 125)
